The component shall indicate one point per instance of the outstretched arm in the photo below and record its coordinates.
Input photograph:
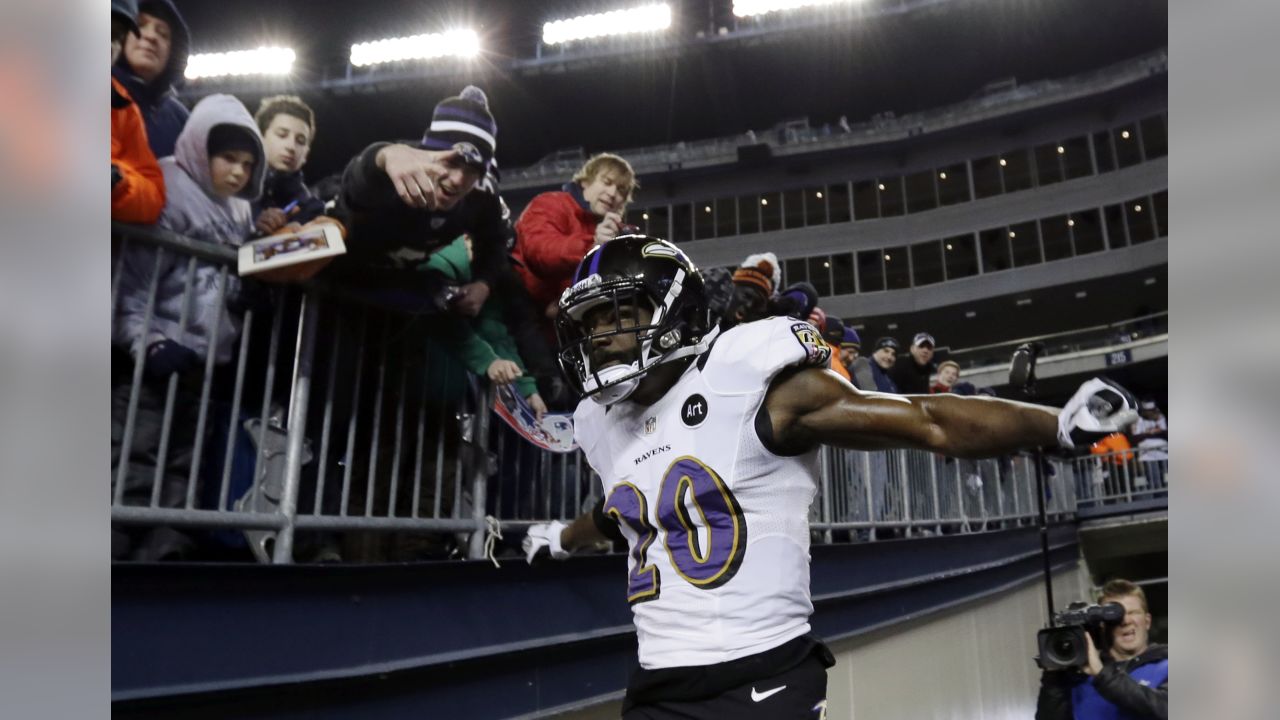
(812, 406)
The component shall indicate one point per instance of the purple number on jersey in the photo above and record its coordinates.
(626, 505)
(687, 484)
(690, 483)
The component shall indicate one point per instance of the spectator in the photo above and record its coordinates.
(288, 128)
(719, 283)
(833, 333)
(483, 345)
(1129, 680)
(948, 374)
(557, 228)
(911, 373)
(850, 347)
(884, 358)
(1151, 434)
(152, 64)
(797, 301)
(753, 285)
(403, 202)
(859, 367)
(215, 172)
(137, 186)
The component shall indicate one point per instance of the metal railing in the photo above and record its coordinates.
(1121, 477)
(373, 430)
(376, 430)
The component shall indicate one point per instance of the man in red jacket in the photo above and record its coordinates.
(558, 228)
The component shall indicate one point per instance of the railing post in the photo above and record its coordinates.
(905, 484)
(825, 459)
(933, 481)
(480, 461)
(299, 396)
(868, 484)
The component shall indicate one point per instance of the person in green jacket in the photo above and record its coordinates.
(483, 343)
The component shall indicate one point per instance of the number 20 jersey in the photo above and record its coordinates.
(717, 524)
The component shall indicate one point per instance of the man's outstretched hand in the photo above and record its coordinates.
(415, 173)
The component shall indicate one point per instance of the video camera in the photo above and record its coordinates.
(1063, 645)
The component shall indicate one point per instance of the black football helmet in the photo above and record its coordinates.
(631, 271)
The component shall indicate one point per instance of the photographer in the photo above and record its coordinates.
(1130, 681)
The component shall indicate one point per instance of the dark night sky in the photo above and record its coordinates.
(903, 63)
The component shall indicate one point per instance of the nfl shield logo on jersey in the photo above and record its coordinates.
(651, 426)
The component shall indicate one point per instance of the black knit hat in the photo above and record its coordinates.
(464, 121)
(226, 137)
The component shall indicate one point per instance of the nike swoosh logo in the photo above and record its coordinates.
(758, 696)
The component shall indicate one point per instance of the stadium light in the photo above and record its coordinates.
(749, 8)
(464, 43)
(646, 18)
(262, 61)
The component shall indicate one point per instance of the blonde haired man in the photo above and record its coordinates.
(557, 228)
(1131, 680)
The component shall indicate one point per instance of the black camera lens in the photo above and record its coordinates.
(1064, 648)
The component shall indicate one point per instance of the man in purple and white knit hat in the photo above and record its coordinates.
(403, 201)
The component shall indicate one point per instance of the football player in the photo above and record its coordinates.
(706, 444)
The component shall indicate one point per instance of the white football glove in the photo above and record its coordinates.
(1098, 409)
(544, 535)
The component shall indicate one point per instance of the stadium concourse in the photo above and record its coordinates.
(769, 421)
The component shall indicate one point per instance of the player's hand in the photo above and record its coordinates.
(503, 372)
(1095, 660)
(608, 228)
(471, 297)
(537, 405)
(415, 173)
(544, 535)
(270, 220)
(1098, 409)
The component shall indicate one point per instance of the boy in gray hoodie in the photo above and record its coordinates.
(215, 172)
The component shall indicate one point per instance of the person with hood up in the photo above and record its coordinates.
(152, 64)
(215, 172)
(137, 186)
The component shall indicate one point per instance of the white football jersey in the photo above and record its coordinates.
(717, 525)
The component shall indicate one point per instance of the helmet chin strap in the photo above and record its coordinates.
(613, 387)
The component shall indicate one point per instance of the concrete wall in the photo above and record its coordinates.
(972, 662)
(975, 662)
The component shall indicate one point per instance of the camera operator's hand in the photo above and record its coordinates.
(471, 298)
(1099, 408)
(1095, 659)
